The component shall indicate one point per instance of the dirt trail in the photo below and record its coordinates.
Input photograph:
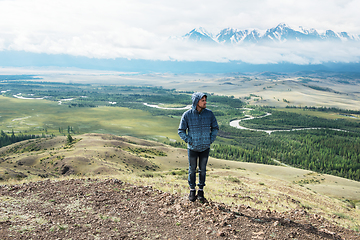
(111, 209)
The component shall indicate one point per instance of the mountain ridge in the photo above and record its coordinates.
(281, 33)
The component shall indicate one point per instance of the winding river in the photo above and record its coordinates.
(236, 124)
(157, 106)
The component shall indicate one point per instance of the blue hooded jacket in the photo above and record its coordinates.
(202, 127)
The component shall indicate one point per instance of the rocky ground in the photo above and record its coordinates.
(112, 209)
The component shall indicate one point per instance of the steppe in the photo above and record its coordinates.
(106, 186)
(339, 90)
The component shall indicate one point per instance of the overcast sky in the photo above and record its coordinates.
(141, 28)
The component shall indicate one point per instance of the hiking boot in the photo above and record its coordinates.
(192, 195)
(201, 196)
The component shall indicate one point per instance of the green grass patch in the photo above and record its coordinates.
(319, 114)
(232, 179)
(342, 216)
(43, 116)
(144, 151)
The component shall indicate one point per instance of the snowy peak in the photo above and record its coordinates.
(280, 33)
(229, 35)
(282, 27)
(310, 31)
(202, 31)
(199, 35)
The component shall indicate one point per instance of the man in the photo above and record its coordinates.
(202, 128)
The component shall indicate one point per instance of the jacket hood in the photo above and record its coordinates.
(196, 98)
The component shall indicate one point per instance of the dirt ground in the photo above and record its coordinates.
(112, 209)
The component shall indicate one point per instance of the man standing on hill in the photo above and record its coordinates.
(202, 128)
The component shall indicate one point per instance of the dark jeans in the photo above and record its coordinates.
(203, 159)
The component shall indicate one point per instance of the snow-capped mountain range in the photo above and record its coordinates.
(280, 33)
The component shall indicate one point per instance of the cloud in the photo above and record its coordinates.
(140, 29)
(292, 52)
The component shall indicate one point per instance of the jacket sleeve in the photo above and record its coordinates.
(182, 129)
(214, 129)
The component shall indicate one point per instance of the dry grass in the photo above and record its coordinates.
(240, 187)
(234, 183)
(232, 187)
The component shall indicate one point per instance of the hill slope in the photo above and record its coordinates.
(241, 186)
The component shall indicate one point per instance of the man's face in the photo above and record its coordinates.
(202, 103)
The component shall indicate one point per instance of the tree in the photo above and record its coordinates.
(69, 139)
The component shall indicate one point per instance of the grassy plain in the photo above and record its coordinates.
(34, 116)
(326, 115)
(317, 89)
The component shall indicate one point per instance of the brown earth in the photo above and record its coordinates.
(111, 209)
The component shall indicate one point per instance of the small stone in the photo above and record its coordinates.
(223, 223)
